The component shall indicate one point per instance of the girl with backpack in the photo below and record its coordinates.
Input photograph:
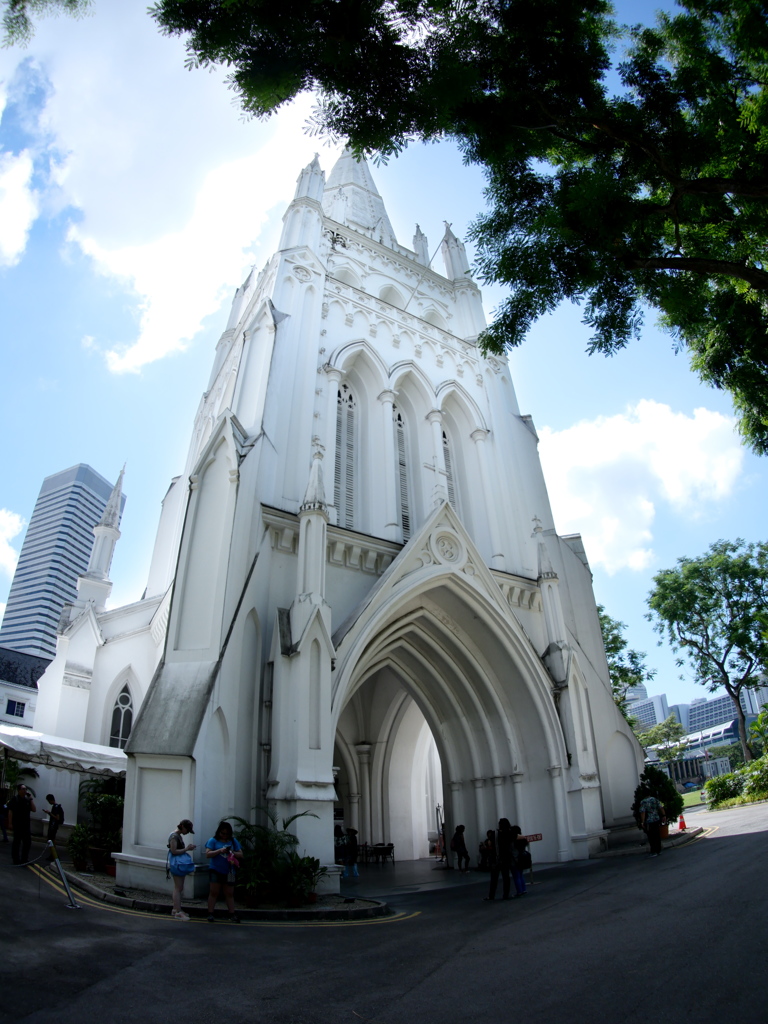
(180, 863)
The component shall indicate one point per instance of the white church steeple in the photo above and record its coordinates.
(352, 199)
(94, 586)
(454, 256)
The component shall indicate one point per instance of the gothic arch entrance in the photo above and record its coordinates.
(437, 660)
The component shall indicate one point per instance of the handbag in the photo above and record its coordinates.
(233, 865)
(180, 864)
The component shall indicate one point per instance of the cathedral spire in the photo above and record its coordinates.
(314, 499)
(556, 656)
(311, 181)
(454, 256)
(94, 586)
(351, 198)
(421, 246)
(313, 526)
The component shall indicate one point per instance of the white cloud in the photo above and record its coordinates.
(11, 526)
(169, 186)
(608, 477)
(18, 205)
(181, 276)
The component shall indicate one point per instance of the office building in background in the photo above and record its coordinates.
(56, 551)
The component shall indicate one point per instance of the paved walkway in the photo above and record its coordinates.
(383, 880)
(378, 881)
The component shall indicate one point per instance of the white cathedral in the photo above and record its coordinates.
(357, 604)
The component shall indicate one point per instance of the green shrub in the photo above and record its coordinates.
(724, 787)
(750, 782)
(655, 782)
(756, 777)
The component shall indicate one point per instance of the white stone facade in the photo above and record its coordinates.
(358, 601)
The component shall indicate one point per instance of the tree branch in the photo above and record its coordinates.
(702, 265)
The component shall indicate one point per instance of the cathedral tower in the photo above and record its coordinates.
(363, 620)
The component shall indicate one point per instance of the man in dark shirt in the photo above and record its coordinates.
(56, 816)
(20, 808)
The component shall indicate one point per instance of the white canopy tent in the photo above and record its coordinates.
(63, 754)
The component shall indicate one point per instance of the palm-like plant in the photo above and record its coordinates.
(12, 774)
(270, 861)
(758, 730)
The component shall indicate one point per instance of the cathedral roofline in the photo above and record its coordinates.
(408, 257)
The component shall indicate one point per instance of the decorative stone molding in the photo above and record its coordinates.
(79, 678)
(159, 625)
(345, 548)
(519, 592)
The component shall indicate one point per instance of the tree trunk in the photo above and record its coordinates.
(734, 695)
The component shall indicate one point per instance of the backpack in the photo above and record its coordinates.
(180, 864)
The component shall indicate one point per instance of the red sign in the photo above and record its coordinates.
(534, 838)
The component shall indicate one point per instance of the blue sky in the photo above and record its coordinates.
(134, 199)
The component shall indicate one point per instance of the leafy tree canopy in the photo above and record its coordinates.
(732, 751)
(17, 16)
(664, 736)
(758, 730)
(618, 188)
(713, 609)
(650, 192)
(627, 668)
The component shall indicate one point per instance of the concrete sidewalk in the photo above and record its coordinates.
(375, 882)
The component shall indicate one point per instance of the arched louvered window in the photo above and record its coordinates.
(403, 503)
(450, 482)
(122, 719)
(346, 425)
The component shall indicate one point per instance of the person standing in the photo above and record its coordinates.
(521, 859)
(55, 817)
(459, 847)
(350, 861)
(500, 860)
(4, 814)
(177, 844)
(224, 854)
(20, 808)
(651, 819)
(486, 849)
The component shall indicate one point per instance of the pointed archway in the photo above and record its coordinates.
(437, 631)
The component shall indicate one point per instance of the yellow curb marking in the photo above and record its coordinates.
(85, 898)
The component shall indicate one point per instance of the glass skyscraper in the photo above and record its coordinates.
(56, 550)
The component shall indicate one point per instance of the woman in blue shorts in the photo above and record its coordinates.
(224, 854)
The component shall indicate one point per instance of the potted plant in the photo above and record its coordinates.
(78, 845)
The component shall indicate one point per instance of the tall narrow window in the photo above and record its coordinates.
(450, 483)
(404, 504)
(122, 719)
(344, 491)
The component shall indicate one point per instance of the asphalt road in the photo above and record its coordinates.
(679, 938)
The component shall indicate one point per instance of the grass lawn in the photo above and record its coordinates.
(692, 799)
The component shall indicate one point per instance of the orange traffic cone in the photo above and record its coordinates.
(681, 826)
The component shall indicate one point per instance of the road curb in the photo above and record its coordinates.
(378, 908)
(678, 839)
